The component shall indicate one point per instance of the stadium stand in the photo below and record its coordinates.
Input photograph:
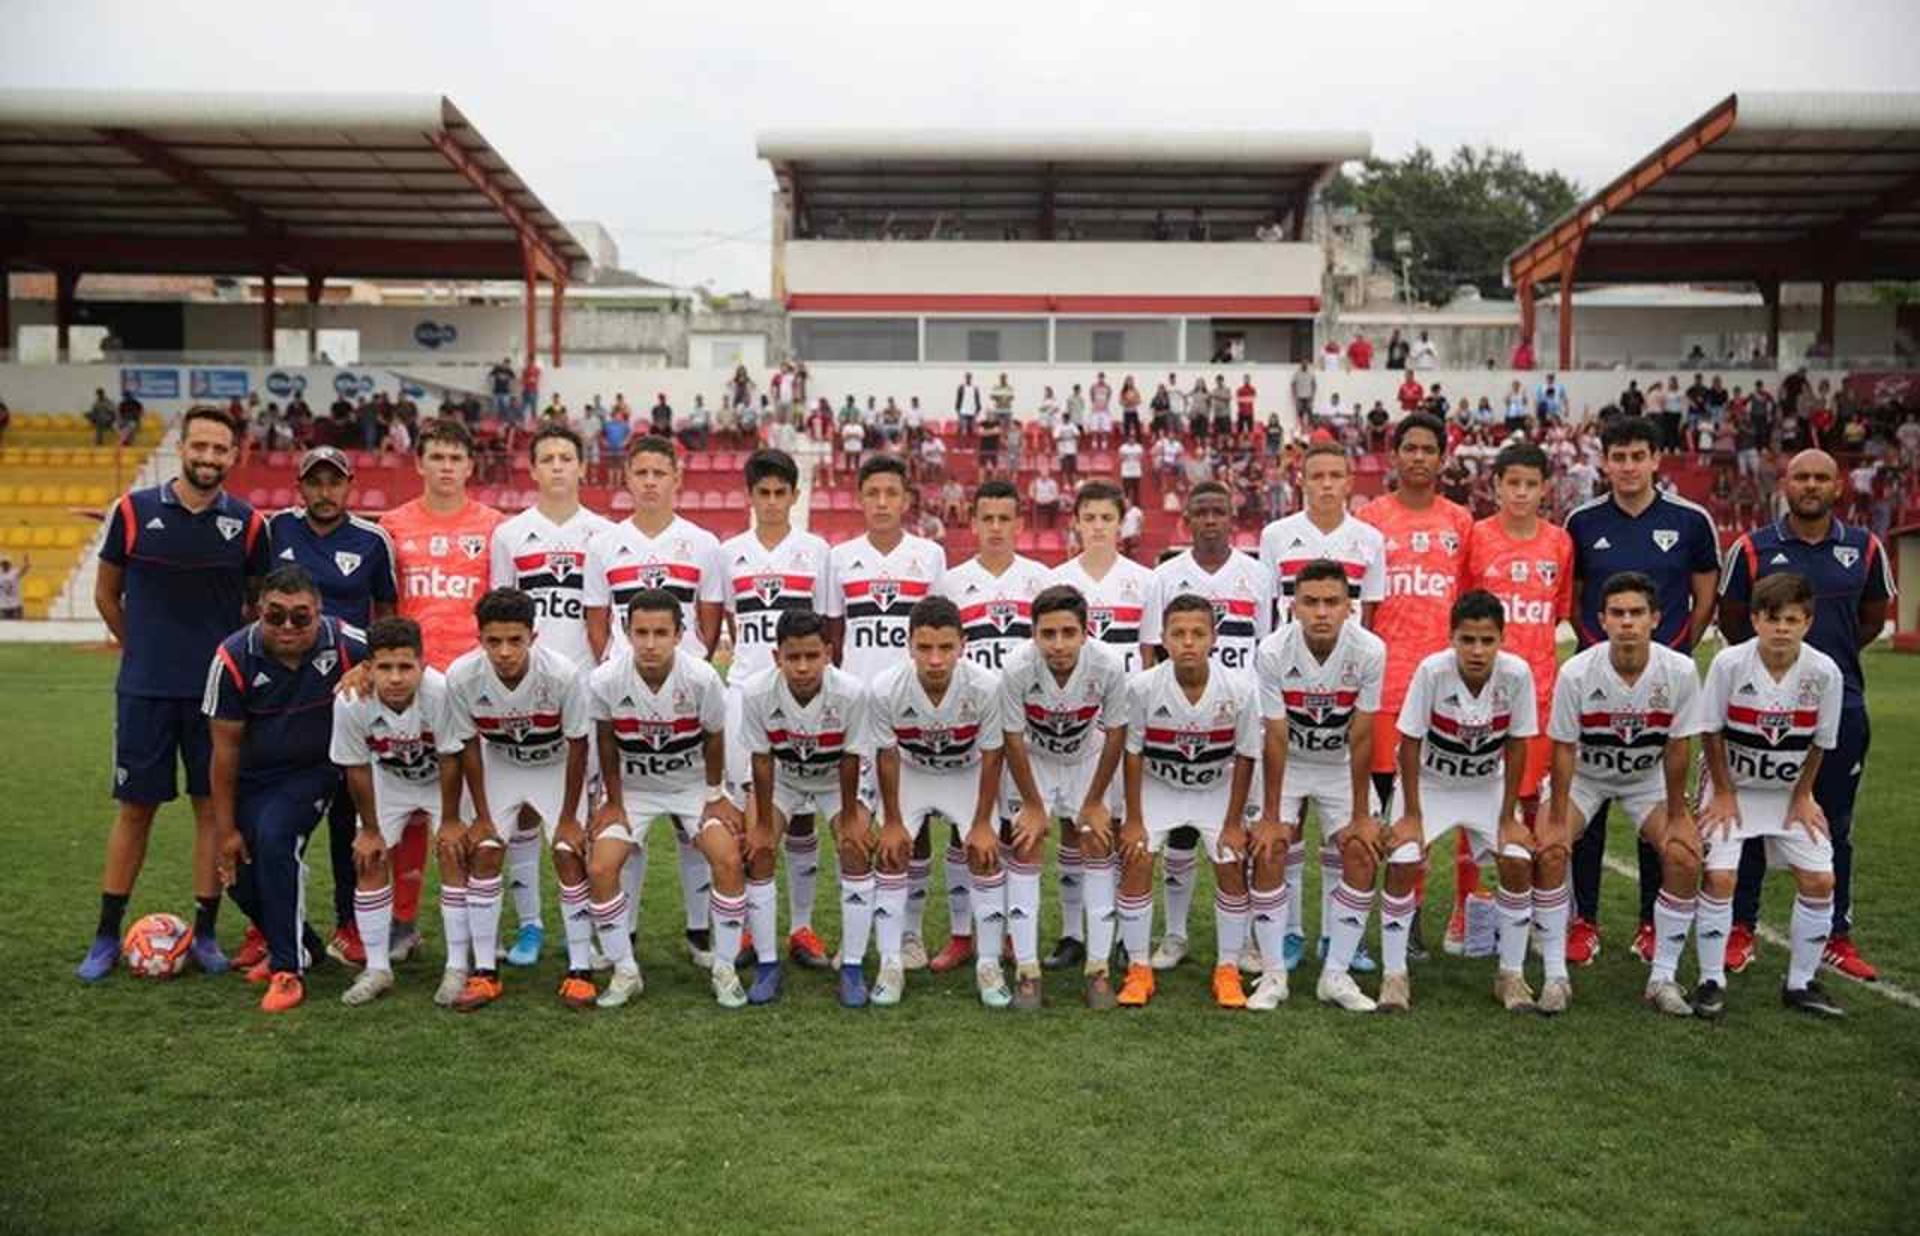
(54, 484)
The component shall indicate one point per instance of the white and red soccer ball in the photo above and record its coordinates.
(155, 947)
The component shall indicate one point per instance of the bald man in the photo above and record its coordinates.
(1853, 587)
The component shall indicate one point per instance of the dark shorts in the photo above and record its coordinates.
(149, 737)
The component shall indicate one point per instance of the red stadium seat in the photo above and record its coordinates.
(280, 499)
(374, 500)
(259, 498)
(737, 500)
(621, 503)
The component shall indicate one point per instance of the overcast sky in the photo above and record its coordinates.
(643, 116)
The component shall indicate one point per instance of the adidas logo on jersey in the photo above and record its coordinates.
(286, 554)
(1777, 560)
(156, 522)
(1603, 543)
(260, 679)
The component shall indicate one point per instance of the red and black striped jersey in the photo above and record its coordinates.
(1464, 732)
(762, 583)
(1123, 606)
(1188, 745)
(1770, 724)
(873, 593)
(526, 725)
(1317, 697)
(661, 732)
(1620, 732)
(807, 741)
(937, 738)
(682, 559)
(403, 748)
(1288, 544)
(995, 610)
(548, 562)
(1064, 722)
(1242, 602)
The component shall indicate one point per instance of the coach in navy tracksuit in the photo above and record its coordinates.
(1852, 588)
(269, 700)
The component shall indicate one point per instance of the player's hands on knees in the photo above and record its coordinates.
(606, 817)
(1270, 841)
(1408, 829)
(720, 807)
(1364, 827)
(896, 844)
(1721, 817)
(1233, 841)
(1096, 820)
(369, 851)
(853, 826)
(1133, 839)
(568, 835)
(1807, 813)
(1029, 826)
(983, 847)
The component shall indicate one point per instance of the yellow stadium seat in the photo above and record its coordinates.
(73, 495)
(13, 537)
(34, 457)
(71, 537)
(9, 495)
(96, 497)
(43, 538)
(36, 587)
(28, 496)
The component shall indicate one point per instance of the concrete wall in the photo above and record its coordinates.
(1637, 335)
(1087, 268)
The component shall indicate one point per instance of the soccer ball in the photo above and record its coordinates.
(156, 946)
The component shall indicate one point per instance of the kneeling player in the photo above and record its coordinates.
(1320, 679)
(1770, 710)
(803, 724)
(1622, 714)
(662, 715)
(1463, 729)
(520, 712)
(1193, 733)
(396, 748)
(937, 740)
(1063, 698)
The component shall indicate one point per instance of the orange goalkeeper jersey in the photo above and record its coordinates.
(1426, 553)
(1534, 580)
(443, 565)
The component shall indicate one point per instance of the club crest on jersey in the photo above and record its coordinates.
(884, 592)
(1190, 743)
(1846, 555)
(229, 527)
(1627, 726)
(1548, 571)
(1099, 618)
(937, 740)
(803, 745)
(1665, 538)
(1319, 704)
(1219, 610)
(653, 575)
(1774, 726)
(325, 661)
(655, 734)
(1473, 733)
(348, 563)
(1421, 542)
(517, 727)
(767, 588)
(438, 545)
(1002, 614)
(473, 546)
(560, 565)
(1450, 542)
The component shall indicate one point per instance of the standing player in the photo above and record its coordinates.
(769, 571)
(1193, 733)
(519, 711)
(1635, 527)
(440, 543)
(662, 715)
(1622, 714)
(1320, 678)
(1853, 586)
(1771, 714)
(877, 579)
(803, 723)
(1463, 729)
(1324, 529)
(396, 751)
(994, 591)
(1424, 538)
(1059, 695)
(173, 578)
(1237, 588)
(542, 552)
(1123, 613)
(351, 562)
(268, 700)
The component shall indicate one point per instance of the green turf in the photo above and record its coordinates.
(148, 1108)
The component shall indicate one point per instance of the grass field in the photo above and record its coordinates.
(158, 1108)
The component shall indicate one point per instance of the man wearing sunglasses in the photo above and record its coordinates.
(269, 702)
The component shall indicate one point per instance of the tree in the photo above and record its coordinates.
(1464, 216)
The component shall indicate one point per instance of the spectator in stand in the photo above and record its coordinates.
(781, 384)
(613, 440)
(1066, 444)
(1160, 229)
(1046, 500)
(1133, 466)
(1821, 419)
(1220, 400)
(753, 422)
(695, 434)
(933, 456)
(1161, 406)
(1550, 400)
(1099, 412)
(1132, 524)
(1360, 352)
(992, 433)
(399, 438)
(621, 408)
(661, 417)
(1244, 400)
(914, 422)
(1522, 358)
(1001, 397)
(966, 406)
(1199, 411)
(1330, 357)
(1304, 388)
(1908, 437)
(1197, 228)
(1075, 412)
(1049, 409)
(1377, 421)
(1412, 395)
(500, 382)
(1129, 410)
(953, 502)
(853, 438)
(101, 416)
(530, 388)
(1436, 403)
(1397, 351)
(1633, 401)
(1425, 355)
(12, 605)
(130, 412)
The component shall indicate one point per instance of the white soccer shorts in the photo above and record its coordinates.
(396, 803)
(1638, 802)
(1789, 843)
(1444, 808)
(1063, 787)
(1327, 788)
(1166, 809)
(739, 770)
(952, 795)
(540, 790)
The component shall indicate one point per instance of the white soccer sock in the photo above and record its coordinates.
(633, 881)
(1807, 939)
(1178, 880)
(803, 878)
(1396, 924)
(610, 923)
(914, 914)
(577, 918)
(373, 915)
(1331, 873)
(1296, 879)
(1101, 875)
(523, 876)
(453, 920)
(1672, 919)
(1075, 901)
(483, 920)
(1712, 920)
(1550, 907)
(1229, 926)
(1136, 927)
(729, 919)
(989, 907)
(696, 885)
(1023, 911)
(763, 921)
(1269, 911)
(1516, 918)
(960, 917)
(857, 895)
(890, 901)
(1346, 925)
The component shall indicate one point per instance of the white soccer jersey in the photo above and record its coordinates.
(548, 561)
(1769, 725)
(1241, 597)
(996, 611)
(1123, 609)
(762, 583)
(1318, 698)
(1064, 723)
(873, 593)
(525, 726)
(1189, 746)
(661, 734)
(1288, 544)
(947, 737)
(403, 748)
(1620, 733)
(682, 559)
(1465, 733)
(807, 741)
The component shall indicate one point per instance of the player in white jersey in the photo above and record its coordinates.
(542, 551)
(877, 579)
(1463, 728)
(1063, 706)
(394, 746)
(1622, 714)
(994, 591)
(804, 725)
(1193, 733)
(1323, 528)
(662, 715)
(1123, 613)
(1771, 710)
(770, 570)
(1320, 677)
(1242, 606)
(658, 549)
(520, 713)
(937, 751)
